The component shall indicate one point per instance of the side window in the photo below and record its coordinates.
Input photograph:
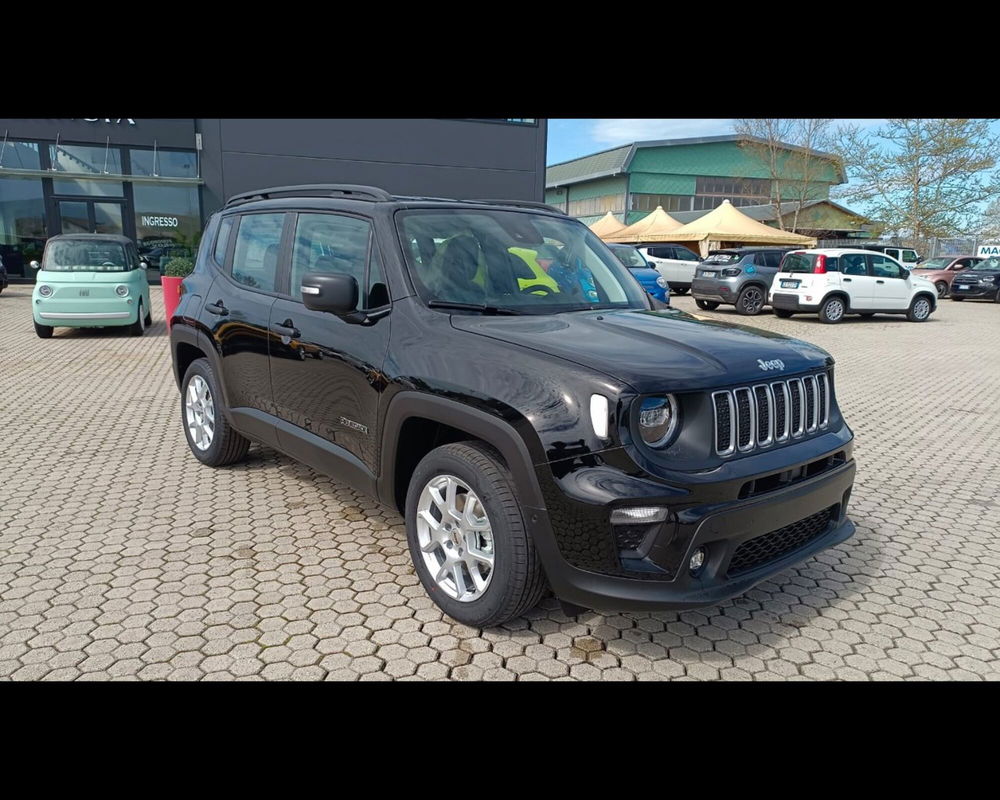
(773, 258)
(329, 243)
(854, 264)
(222, 241)
(760, 259)
(909, 256)
(661, 252)
(884, 267)
(255, 262)
(686, 255)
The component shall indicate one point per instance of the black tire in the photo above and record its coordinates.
(957, 299)
(833, 309)
(679, 288)
(867, 314)
(138, 328)
(996, 298)
(149, 318)
(517, 582)
(782, 313)
(750, 301)
(43, 331)
(942, 288)
(227, 446)
(708, 305)
(920, 308)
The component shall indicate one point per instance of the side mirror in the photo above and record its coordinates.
(335, 293)
(651, 265)
(904, 273)
(35, 265)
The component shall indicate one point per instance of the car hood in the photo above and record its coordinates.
(655, 350)
(931, 274)
(975, 274)
(646, 275)
(82, 277)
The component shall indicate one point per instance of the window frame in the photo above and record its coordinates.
(363, 290)
(280, 272)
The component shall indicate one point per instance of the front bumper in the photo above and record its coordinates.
(573, 556)
(99, 312)
(974, 290)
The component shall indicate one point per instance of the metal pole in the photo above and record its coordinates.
(107, 152)
(4, 148)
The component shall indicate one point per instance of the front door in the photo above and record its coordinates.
(91, 216)
(892, 289)
(856, 280)
(326, 372)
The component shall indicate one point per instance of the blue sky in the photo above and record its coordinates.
(572, 138)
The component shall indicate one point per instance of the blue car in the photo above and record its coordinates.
(649, 278)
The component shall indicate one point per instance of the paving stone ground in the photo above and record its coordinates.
(121, 557)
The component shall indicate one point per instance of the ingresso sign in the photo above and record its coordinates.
(111, 121)
(159, 222)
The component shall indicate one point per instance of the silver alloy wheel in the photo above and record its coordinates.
(455, 538)
(922, 308)
(752, 299)
(199, 412)
(834, 309)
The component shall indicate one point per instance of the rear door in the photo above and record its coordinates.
(237, 309)
(892, 289)
(855, 279)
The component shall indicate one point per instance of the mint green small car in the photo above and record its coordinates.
(90, 280)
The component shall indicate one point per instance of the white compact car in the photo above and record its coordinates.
(674, 262)
(835, 282)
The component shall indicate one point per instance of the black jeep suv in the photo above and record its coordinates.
(493, 372)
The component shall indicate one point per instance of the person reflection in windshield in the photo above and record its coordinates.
(575, 278)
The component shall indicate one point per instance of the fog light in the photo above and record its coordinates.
(697, 560)
(638, 515)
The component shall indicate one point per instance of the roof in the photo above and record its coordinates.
(763, 213)
(615, 161)
(725, 223)
(105, 237)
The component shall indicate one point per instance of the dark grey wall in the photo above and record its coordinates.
(447, 158)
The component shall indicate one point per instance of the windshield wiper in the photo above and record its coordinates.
(489, 310)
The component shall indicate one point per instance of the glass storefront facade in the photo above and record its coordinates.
(152, 195)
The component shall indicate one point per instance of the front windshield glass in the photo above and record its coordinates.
(989, 263)
(629, 256)
(935, 263)
(80, 255)
(522, 262)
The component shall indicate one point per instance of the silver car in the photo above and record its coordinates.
(740, 277)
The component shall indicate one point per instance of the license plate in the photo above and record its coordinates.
(789, 284)
(706, 274)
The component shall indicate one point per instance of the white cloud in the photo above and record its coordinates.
(611, 132)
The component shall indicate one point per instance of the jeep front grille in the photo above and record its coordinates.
(756, 416)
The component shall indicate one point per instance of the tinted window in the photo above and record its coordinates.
(683, 254)
(330, 243)
(797, 262)
(760, 259)
(854, 264)
(884, 267)
(910, 255)
(773, 258)
(222, 241)
(255, 262)
(661, 252)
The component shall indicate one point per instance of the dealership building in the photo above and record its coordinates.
(158, 180)
(690, 177)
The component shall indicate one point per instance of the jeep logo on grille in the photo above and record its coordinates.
(769, 365)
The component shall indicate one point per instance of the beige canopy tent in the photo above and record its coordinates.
(607, 225)
(651, 228)
(731, 226)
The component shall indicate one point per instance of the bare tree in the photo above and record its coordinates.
(789, 148)
(923, 177)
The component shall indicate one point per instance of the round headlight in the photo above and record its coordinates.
(658, 420)
(45, 291)
(121, 290)
(661, 282)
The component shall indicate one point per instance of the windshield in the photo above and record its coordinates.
(84, 256)
(629, 256)
(522, 262)
(935, 263)
(989, 263)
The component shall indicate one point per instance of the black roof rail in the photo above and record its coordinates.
(521, 203)
(348, 190)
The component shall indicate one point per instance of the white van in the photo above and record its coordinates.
(674, 262)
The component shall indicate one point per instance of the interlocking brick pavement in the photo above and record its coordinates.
(121, 557)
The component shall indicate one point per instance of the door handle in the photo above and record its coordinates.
(879, 281)
(287, 328)
(217, 308)
(847, 280)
